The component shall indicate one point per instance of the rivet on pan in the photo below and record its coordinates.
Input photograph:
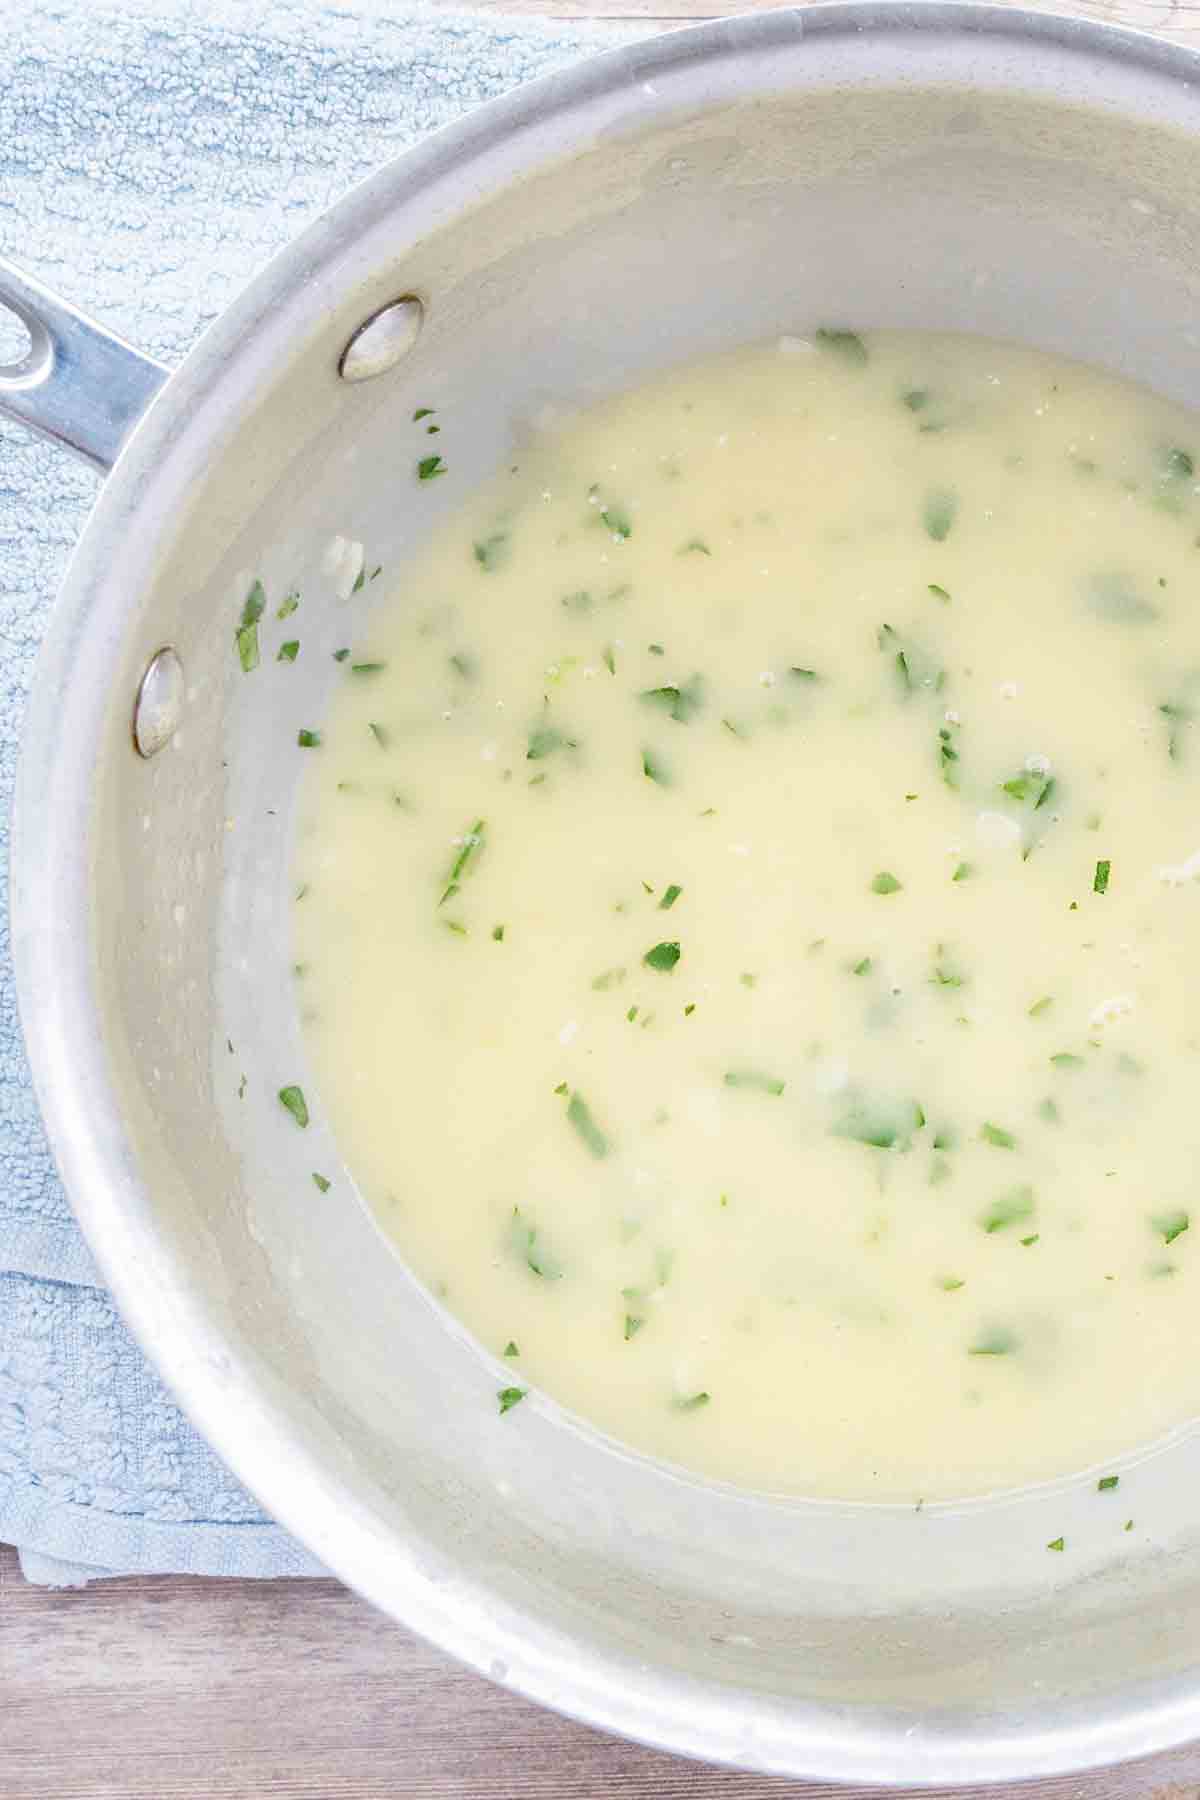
(159, 702)
(383, 339)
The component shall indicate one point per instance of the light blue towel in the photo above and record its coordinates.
(153, 153)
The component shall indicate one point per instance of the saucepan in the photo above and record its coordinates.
(943, 166)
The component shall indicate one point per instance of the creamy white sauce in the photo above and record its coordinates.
(864, 1163)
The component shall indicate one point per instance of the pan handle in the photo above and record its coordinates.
(78, 385)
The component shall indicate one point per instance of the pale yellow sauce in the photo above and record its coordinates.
(654, 1182)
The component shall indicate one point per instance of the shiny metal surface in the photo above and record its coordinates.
(79, 385)
(942, 165)
(381, 341)
(158, 705)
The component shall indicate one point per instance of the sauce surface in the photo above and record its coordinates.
(748, 912)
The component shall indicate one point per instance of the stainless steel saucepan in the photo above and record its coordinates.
(946, 166)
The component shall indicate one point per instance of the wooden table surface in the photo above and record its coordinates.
(176, 1688)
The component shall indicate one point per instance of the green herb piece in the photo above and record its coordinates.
(1107, 1483)
(1039, 1006)
(1008, 1209)
(579, 1116)
(246, 636)
(747, 980)
(289, 652)
(947, 757)
(293, 1101)
(1066, 1059)
(1177, 465)
(950, 1284)
(255, 604)
(1033, 1238)
(309, 740)
(379, 733)
(470, 849)
(945, 1140)
(1048, 1110)
(804, 674)
(456, 926)
(544, 741)
(846, 344)
(755, 1079)
(689, 1009)
(617, 520)
(885, 883)
(1112, 596)
(963, 872)
(321, 1182)
(610, 661)
(994, 1134)
(510, 1349)
(561, 1088)
(287, 606)
(680, 702)
(633, 1325)
(1057, 1544)
(510, 1397)
(862, 967)
(497, 934)
(609, 979)
(939, 592)
(656, 649)
(662, 957)
(670, 897)
(1179, 716)
(997, 1342)
(1100, 879)
(429, 467)
(916, 399)
(340, 655)
(654, 769)
(690, 1402)
(492, 551)
(367, 668)
(939, 512)
(1128, 1526)
(1170, 1225)
(423, 412)
(879, 1126)
(523, 1242)
(632, 1014)
(360, 581)
(694, 547)
(464, 665)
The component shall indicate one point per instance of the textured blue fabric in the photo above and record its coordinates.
(153, 153)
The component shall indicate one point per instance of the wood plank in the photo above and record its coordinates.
(176, 1688)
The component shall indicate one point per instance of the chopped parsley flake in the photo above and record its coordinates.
(1107, 1483)
(423, 412)
(939, 513)
(862, 967)
(429, 467)
(491, 552)
(468, 855)
(1057, 1544)
(293, 1101)
(309, 740)
(633, 1324)
(287, 606)
(997, 1342)
(1100, 879)
(1039, 1006)
(755, 1079)
(939, 593)
(497, 934)
(680, 702)
(963, 872)
(322, 1184)
(670, 897)
(523, 1242)
(510, 1349)
(1066, 1059)
(1170, 1225)
(510, 1397)
(885, 883)
(662, 957)
(846, 344)
(367, 668)
(1008, 1209)
(289, 652)
(690, 1402)
(379, 733)
(694, 547)
(580, 1117)
(994, 1134)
